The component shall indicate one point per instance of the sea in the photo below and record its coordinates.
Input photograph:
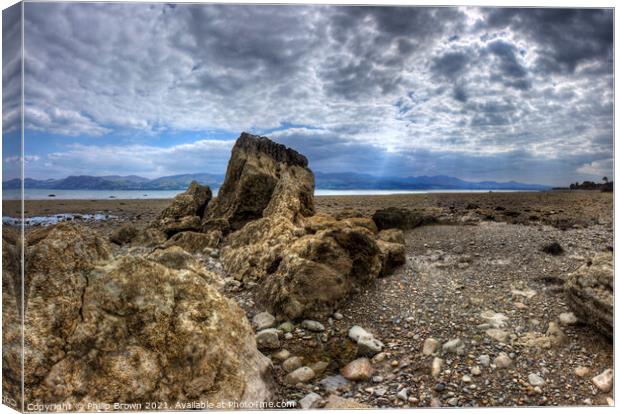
(39, 194)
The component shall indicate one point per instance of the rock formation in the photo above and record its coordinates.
(262, 178)
(185, 212)
(401, 218)
(590, 291)
(306, 263)
(131, 328)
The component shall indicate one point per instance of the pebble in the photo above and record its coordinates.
(380, 391)
(263, 320)
(338, 316)
(502, 361)
(267, 339)
(300, 375)
(311, 400)
(430, 346)
(380, 357)
(369, 346)
(335, 383)
(292, 363)
(402, 394)
(605, 380)
(440, 387)
(455, 346)
(319, 367)
(582, 371)
(357, 370)
(286, 327)
(535, 380)
(475, 370)
(313, 326)
(484, 360)
(288, 335)
(282, 355)
(453, 401)
(377, 379)
(466, 379)
(436, 366)
(567, 318)
(498, 334)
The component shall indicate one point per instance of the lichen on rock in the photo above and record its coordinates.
(132, 328)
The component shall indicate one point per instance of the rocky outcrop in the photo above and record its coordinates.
(590, 291)
(306, 264)
(262, 178)
(132, 329)
(185, 212)
(320, 269)
(401, 218)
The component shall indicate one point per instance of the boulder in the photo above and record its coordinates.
(590, 292)
(262, 174)
(400, 218)
(186, 211)
(131, 329)
(318, 271)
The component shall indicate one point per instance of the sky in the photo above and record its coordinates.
(477, 93)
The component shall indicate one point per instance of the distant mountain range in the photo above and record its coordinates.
(324, 181)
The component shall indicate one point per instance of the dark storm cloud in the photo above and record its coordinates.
(11, 68)
(566, 37)
(374, 45)
(415, 89)
(451, 64)
(510, 72)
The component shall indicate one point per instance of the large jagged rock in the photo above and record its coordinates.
(132, 329)
(305, 264)
(186, 211)
(590, 291)
(262, 178)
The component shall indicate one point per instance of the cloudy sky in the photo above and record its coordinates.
(491, 93)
